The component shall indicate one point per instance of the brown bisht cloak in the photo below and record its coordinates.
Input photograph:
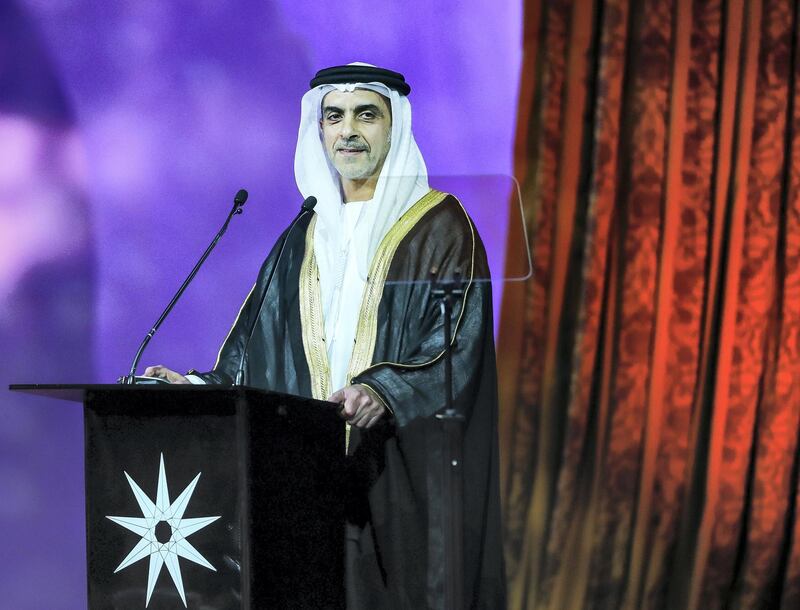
(395, 509)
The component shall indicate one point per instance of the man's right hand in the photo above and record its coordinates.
(163, 372)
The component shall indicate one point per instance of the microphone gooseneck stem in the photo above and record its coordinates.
(308, 206)
(238, 202)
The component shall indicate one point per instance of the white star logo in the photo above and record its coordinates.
(155, 516)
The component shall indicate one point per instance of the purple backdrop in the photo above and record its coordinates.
(142, 122)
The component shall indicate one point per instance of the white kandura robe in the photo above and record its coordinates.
(342, 304)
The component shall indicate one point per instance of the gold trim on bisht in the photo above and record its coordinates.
(311, 315)
(460, 313)
(367, 329)
(311, 320)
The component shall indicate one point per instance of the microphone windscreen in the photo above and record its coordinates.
(309, 203)
(241, 197)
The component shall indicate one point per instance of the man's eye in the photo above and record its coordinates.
(367, 116)
(332, 118)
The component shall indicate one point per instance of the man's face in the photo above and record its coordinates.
(356, 129)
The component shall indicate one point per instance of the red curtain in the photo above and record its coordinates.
(650, 369)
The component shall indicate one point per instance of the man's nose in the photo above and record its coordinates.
(348, 127)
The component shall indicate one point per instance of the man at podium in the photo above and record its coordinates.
(350, 317)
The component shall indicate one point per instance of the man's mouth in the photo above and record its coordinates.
(349, 152)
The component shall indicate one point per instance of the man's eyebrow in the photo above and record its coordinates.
(369, 108)
(358, 109)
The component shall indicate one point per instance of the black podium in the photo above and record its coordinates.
(210, 497)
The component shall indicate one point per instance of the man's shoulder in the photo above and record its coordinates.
(443, 226)
(443, 233)
(447, 214)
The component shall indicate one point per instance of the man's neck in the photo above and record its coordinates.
(359, 190)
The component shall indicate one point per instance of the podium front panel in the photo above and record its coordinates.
(213, 499)
(163, 482)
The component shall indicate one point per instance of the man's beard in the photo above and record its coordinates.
(357, 171)
(366, 167)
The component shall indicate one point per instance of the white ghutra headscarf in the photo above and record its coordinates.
(402, 182)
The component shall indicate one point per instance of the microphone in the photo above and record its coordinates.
(238, 202)
(308, 206)
(239, 199)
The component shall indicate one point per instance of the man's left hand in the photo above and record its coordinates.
(360, 406)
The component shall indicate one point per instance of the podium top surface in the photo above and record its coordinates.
(76, 392)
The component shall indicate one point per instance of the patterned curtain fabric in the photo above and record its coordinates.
(650, 369)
